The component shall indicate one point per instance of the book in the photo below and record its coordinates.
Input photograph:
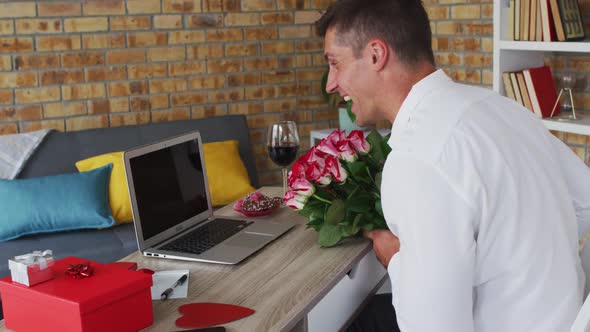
(541, 89)
(557, 23)
(571, 19)
(533, 20)
(516, 18)
(516, 88)
(510, 32)
(524, 91)
(508, 86)
(525, 14)
(547, 21)
(539, 31)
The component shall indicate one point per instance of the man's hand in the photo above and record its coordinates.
(385, 244)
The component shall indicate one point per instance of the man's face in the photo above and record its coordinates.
(351, 78)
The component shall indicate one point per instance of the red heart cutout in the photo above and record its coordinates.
(197, 315)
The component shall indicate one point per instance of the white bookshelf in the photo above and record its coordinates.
(517, 55)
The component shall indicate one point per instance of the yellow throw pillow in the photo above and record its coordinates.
(227, 175)
(118, 192)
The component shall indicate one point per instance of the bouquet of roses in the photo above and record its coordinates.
(336, 185)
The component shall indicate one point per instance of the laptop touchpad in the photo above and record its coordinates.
(249, 240)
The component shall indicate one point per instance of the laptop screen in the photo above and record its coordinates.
(169, 187)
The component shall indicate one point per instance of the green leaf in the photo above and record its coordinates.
(378, 178)
(375, 139)
(361, 202)
(358, 171)
(378, 207)
(349, 111)
(368, 227)
(329, 235)
(335, 212)
(354, 228)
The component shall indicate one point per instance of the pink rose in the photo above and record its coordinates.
(358, 141)
(294, 201)
(297, 171)
(329, 144)
(335, 169)
(303, 187)
(346, 152)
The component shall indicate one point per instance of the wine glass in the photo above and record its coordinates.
(282, 142)
(567, 102)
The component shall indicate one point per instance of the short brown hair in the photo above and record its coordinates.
(402, 24)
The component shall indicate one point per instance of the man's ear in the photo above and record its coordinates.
(379, 53)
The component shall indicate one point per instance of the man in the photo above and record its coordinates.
(482, 202)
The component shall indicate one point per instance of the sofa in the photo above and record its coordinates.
(59, 152)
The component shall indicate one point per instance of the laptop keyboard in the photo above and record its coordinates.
(206, 236)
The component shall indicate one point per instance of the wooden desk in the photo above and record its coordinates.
(285, 282)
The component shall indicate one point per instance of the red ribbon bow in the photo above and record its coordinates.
(80, 271)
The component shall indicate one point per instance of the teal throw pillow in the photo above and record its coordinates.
(55, 203)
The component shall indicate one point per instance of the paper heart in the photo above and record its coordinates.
(197, 315)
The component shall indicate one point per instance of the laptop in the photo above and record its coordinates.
(172, 211)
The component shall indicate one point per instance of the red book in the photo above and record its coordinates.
(542, 92)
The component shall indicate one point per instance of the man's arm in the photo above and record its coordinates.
(432, 274)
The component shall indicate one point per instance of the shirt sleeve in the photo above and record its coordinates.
(432, 274)
(577, 178)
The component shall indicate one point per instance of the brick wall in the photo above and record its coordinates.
(75, 65)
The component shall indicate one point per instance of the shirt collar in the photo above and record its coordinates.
(416, 95)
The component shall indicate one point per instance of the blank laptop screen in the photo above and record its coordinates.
(169, 187)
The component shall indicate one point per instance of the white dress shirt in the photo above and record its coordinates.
(485, 202)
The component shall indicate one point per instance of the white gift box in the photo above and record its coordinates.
(32, 268)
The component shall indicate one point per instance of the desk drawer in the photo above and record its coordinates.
(334, 310)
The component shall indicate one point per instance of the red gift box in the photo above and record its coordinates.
(111, 299)
(32, 268)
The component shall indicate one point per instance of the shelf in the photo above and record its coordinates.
(576, 47)
(581, 127)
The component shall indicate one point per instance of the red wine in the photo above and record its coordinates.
(283, 155)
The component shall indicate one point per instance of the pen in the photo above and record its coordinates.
(178, 282)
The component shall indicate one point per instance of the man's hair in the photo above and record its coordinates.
(402, 24)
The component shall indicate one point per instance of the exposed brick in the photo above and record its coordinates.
(118, 89)
(209, 51)
(304, 60)
(168, 85)
(181, 6)
(171, 115)
(437, 13)
(282, 76)
(204, 21)
(143, 6)
(58, 43)
(243, 79)
(159, 101)
(115, 105)
(87, 122)
(262, 121)
(277, 18)
(324, 115)
(131, 23)
(487, 77)
(261, 63)
(224, 66)
(222, 96)
(311, 102)
(261, 33)
(440, 44)
(59, 110)
(83, 91)
(15, 45)
(6, 97)
(472, 76)
(17, 9)
(28, 26)
(250, 49)
(111, 7)
(86, 24)
(258, 5)
(310, 74)
(187, 68)
(82, 59)
(186, 37)
(310, 46)
(572, 138)
(140, 103)
(318, 59)
(246, 108)
(199, 112)
(148, 70)
(62, 77)
(129, 119)
(99, 106)
(22, 113)
(277, 47)
(297, 31)
(105, 73)
(448, 59)
(58, 125)
(466, 44)
(306, 17)
(168, 21)
(478, 60)
(166, 54)
(580, 63)
(37, 95)
(462, 12)
(97, 41)
(261, 92)
(207, 82)
(23, 62)
(221, 5)
(125, 56)
(18, 80)
(143, 39)
(6, 27)
(280, 105)
(487, 11)
(65, 8)
(242, 19)
(480, 28)
(449, 28)
(187, 98)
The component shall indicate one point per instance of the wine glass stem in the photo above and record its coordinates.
(284, 181)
